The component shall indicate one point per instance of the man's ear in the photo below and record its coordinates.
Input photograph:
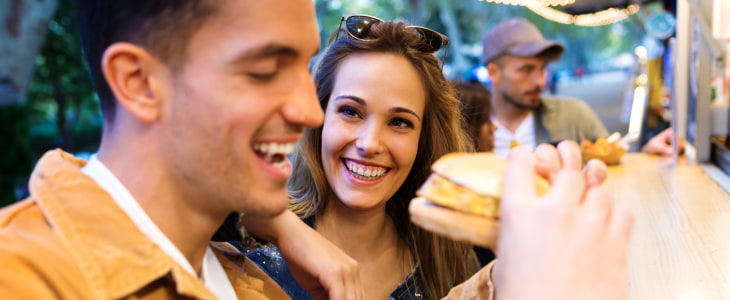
(132, 75)
(493, 70)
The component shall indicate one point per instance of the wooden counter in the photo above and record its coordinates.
(680, 248)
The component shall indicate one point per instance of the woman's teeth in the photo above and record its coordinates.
(365, 172)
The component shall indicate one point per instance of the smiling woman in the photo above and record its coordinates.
(389, 114)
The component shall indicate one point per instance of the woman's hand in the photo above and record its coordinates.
(321, 268)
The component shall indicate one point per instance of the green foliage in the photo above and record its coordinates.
(16, 161)
(61, 109)
(64, 111)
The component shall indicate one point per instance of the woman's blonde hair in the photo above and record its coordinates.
(442, 263)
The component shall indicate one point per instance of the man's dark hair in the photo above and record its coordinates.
(162, 27)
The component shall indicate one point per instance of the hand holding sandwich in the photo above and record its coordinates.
(461, 198)
(570, 244)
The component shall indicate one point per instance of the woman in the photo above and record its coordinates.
(389, 114)
(474, 99)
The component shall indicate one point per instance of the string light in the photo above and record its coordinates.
(599, 18)
(542, 8)
(531, 2)
(556, 2)
(552, 14)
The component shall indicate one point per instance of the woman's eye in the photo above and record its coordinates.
(401, 123)
(348, 111)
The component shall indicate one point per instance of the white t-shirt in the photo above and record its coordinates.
(504, 140)
(212, 272)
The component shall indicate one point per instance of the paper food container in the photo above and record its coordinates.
(609, 152)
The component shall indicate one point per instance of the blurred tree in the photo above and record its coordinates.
(23, 30)
(64, 109)
(24, 23)
(59, 108)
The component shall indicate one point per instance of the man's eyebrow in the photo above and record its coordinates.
(270, 50)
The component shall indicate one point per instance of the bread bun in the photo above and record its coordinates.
(470, 182)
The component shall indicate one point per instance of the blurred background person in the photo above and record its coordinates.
(516, 56)
(474, 98)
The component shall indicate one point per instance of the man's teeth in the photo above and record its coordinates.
(280, 164)
(275, 148)
(275, 153)
(365, 172)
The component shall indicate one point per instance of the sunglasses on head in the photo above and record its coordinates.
(358, 27)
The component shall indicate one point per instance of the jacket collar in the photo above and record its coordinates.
(544, 112)
(115, 256)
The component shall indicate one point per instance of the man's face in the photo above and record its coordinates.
(520, 80)
(239, 103)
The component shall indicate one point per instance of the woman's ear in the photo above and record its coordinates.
(130, 71)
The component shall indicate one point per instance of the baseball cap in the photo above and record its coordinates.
(518, 37)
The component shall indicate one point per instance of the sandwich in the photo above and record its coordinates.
(469, 182)
(466, 182)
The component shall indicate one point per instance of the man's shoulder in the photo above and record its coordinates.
(35, 254)
(564, 105)
(24, 220)
(24, 231)
(562, 101)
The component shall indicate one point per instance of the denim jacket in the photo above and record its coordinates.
(270, 260)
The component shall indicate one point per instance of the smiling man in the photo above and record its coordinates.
(516, 56)
(202, 101)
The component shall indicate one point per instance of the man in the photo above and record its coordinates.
(202, 100)
(516, 56)
(191, 93)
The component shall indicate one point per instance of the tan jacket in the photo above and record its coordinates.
(70, 240)
(478, 287)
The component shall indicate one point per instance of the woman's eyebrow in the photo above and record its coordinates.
(405, 110)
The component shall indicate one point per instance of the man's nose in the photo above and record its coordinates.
(303, 106)
(539, 78)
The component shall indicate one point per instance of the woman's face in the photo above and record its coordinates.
(371, 128)
(486, 135)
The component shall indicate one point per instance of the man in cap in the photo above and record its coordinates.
(516, 55)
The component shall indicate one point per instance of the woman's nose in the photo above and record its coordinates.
(369, 141)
